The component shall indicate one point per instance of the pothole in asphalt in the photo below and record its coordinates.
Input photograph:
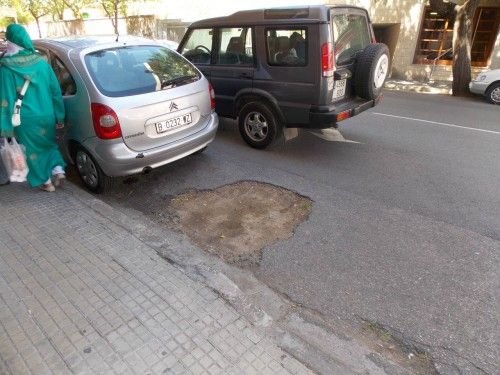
(237, 221)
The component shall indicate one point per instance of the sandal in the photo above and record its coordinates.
(48, 187)
(59, 179)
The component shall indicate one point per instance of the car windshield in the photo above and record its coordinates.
(134, 70)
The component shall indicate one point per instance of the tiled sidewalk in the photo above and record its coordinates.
(79, 294)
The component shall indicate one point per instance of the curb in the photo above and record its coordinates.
(417, 87)
(301, 333)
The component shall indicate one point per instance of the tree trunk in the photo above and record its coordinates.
(462, 40)
(112, 14)
(74, 9)
(37, 19)
(116, 17)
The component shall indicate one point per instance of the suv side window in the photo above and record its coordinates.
(287, 47)
(198, 48)
(235, 46)
(351, 35)
(66, 81)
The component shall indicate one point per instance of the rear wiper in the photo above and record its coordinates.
(177, 81)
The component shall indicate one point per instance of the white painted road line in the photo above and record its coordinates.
(437, 123)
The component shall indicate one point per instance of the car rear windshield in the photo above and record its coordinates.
(134, 70)
(351, 35)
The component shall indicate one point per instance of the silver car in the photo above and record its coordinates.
(131, 105)
(487, 84)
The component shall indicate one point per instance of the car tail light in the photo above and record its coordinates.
(105, 120)
(344, 115)
(212, 96)
(327, 60)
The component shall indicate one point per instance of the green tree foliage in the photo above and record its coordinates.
(34, 9)
(56, 9)
(76, 6)
(113, 8)
(29, 10)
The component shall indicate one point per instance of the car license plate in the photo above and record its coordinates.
(339, 89)
(173, 123)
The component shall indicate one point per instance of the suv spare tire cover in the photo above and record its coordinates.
(372, 67)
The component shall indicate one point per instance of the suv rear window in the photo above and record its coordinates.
(351, 35)
(135, 70)
(286, 47)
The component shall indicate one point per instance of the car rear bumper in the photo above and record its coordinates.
(116, 159)
(477, 87)
(327, 116)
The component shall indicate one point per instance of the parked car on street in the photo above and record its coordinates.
(302, 67)
(131, 105)
(487, 84)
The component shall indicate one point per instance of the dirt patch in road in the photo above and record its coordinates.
(236, 221)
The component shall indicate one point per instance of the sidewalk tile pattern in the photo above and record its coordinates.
(81, 295)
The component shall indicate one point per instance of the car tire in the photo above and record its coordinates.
(493, 93)
(258, 125)
(372, 68)
(90, 172)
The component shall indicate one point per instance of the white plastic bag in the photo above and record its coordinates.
(14, 160)
(4, 174)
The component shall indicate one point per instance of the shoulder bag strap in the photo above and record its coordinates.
(16, 116)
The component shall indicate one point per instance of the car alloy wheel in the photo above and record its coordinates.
(256, 126)
(495, 95)
(87, 169)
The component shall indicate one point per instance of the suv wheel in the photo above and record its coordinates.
(493, 93)
(372, 67)
(90, 173)
(258, 125)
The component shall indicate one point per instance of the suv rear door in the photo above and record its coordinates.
(286, 68)
(352, 32)
(234, 67)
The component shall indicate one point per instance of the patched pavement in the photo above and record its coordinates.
(405, 224)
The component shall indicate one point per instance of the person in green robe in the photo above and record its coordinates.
(42, 108)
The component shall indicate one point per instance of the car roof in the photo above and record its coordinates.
(83, 42)
(282, 15)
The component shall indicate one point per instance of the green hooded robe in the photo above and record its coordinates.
(41, 109)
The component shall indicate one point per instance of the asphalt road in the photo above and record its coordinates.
(405, 225)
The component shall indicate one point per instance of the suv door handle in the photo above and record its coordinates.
(245, 75)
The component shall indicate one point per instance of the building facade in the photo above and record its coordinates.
(420, 39)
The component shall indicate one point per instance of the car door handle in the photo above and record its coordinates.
(245, 75)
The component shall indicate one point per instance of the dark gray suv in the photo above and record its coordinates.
(301, 67)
